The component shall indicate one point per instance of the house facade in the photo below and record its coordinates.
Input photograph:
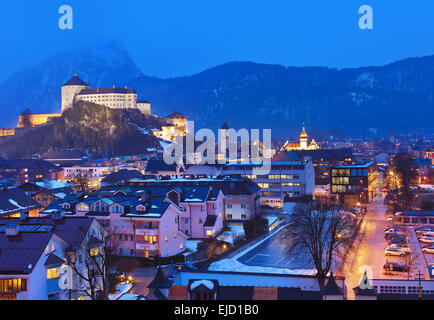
(34, 257)
(150, 222)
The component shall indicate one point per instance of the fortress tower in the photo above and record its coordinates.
(70, 90)
(303, 140)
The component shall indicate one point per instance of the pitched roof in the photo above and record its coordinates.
(16, 200)
(53, 261)
(210, 221)
(159, 165)
(160, 281)
(106, 91)
(71, 229)
(75, 81)
(175, 114)
(121, 176)
(63, 155)
(31, 164)
(20, 254)
(303, 133)
(332, 288)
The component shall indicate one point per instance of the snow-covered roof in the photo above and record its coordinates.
(206, 283)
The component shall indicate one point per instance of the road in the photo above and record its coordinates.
(368, 253)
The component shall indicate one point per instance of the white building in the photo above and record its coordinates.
(116, 98)
(34, 256)
(285, 179)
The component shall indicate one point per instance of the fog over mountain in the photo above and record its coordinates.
(245, 94)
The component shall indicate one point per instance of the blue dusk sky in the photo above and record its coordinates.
(170, 38)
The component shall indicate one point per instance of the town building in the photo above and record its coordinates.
(175, 126)
(222, 285)
(46, 191)
(241, 196)
(150, 221)
(302, 143)
(34, 256)
(355, 183)
(414, 217)
(63, 158)
(285, 179)
(18, 172)
(15, 202)
(322, 159)
(34, 120)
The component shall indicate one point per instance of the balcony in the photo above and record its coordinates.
(146, 232)
(147, 246)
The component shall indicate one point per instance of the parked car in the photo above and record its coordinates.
(394, 252)
(389, 228)
(427, 240)
(393, 266)
(401, 237)
(429, 249)
(424, 229)
(426, 235)
(401, 247)
(397, 231)
(393, 241)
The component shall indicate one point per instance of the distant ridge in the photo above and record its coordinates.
(246, 94)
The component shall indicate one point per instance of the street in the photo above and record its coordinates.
(368, 254)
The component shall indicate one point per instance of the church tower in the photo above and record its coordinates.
(303, 140)
(70, 90)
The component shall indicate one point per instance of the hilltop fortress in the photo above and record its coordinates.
(116, 98)
(76, 90)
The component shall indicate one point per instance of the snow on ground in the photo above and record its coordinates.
(192, 245)
(231, 235)
(121, 290)
(428, 187)
(133, 297)
(233, 265)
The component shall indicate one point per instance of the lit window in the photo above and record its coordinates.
(94, 252)
(53, 273)
(209, 232)
(181, 246)
(174, 234)
(165, 238)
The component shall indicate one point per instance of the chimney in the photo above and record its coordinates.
(12, 230)
(24, 215)
(57, 215)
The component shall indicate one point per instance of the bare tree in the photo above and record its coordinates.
(403, 172)
(322, 232)
(81, 182)
(409, 261)
(93, 265)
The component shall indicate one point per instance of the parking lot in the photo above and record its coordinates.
(368, 254)
(273, 253)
